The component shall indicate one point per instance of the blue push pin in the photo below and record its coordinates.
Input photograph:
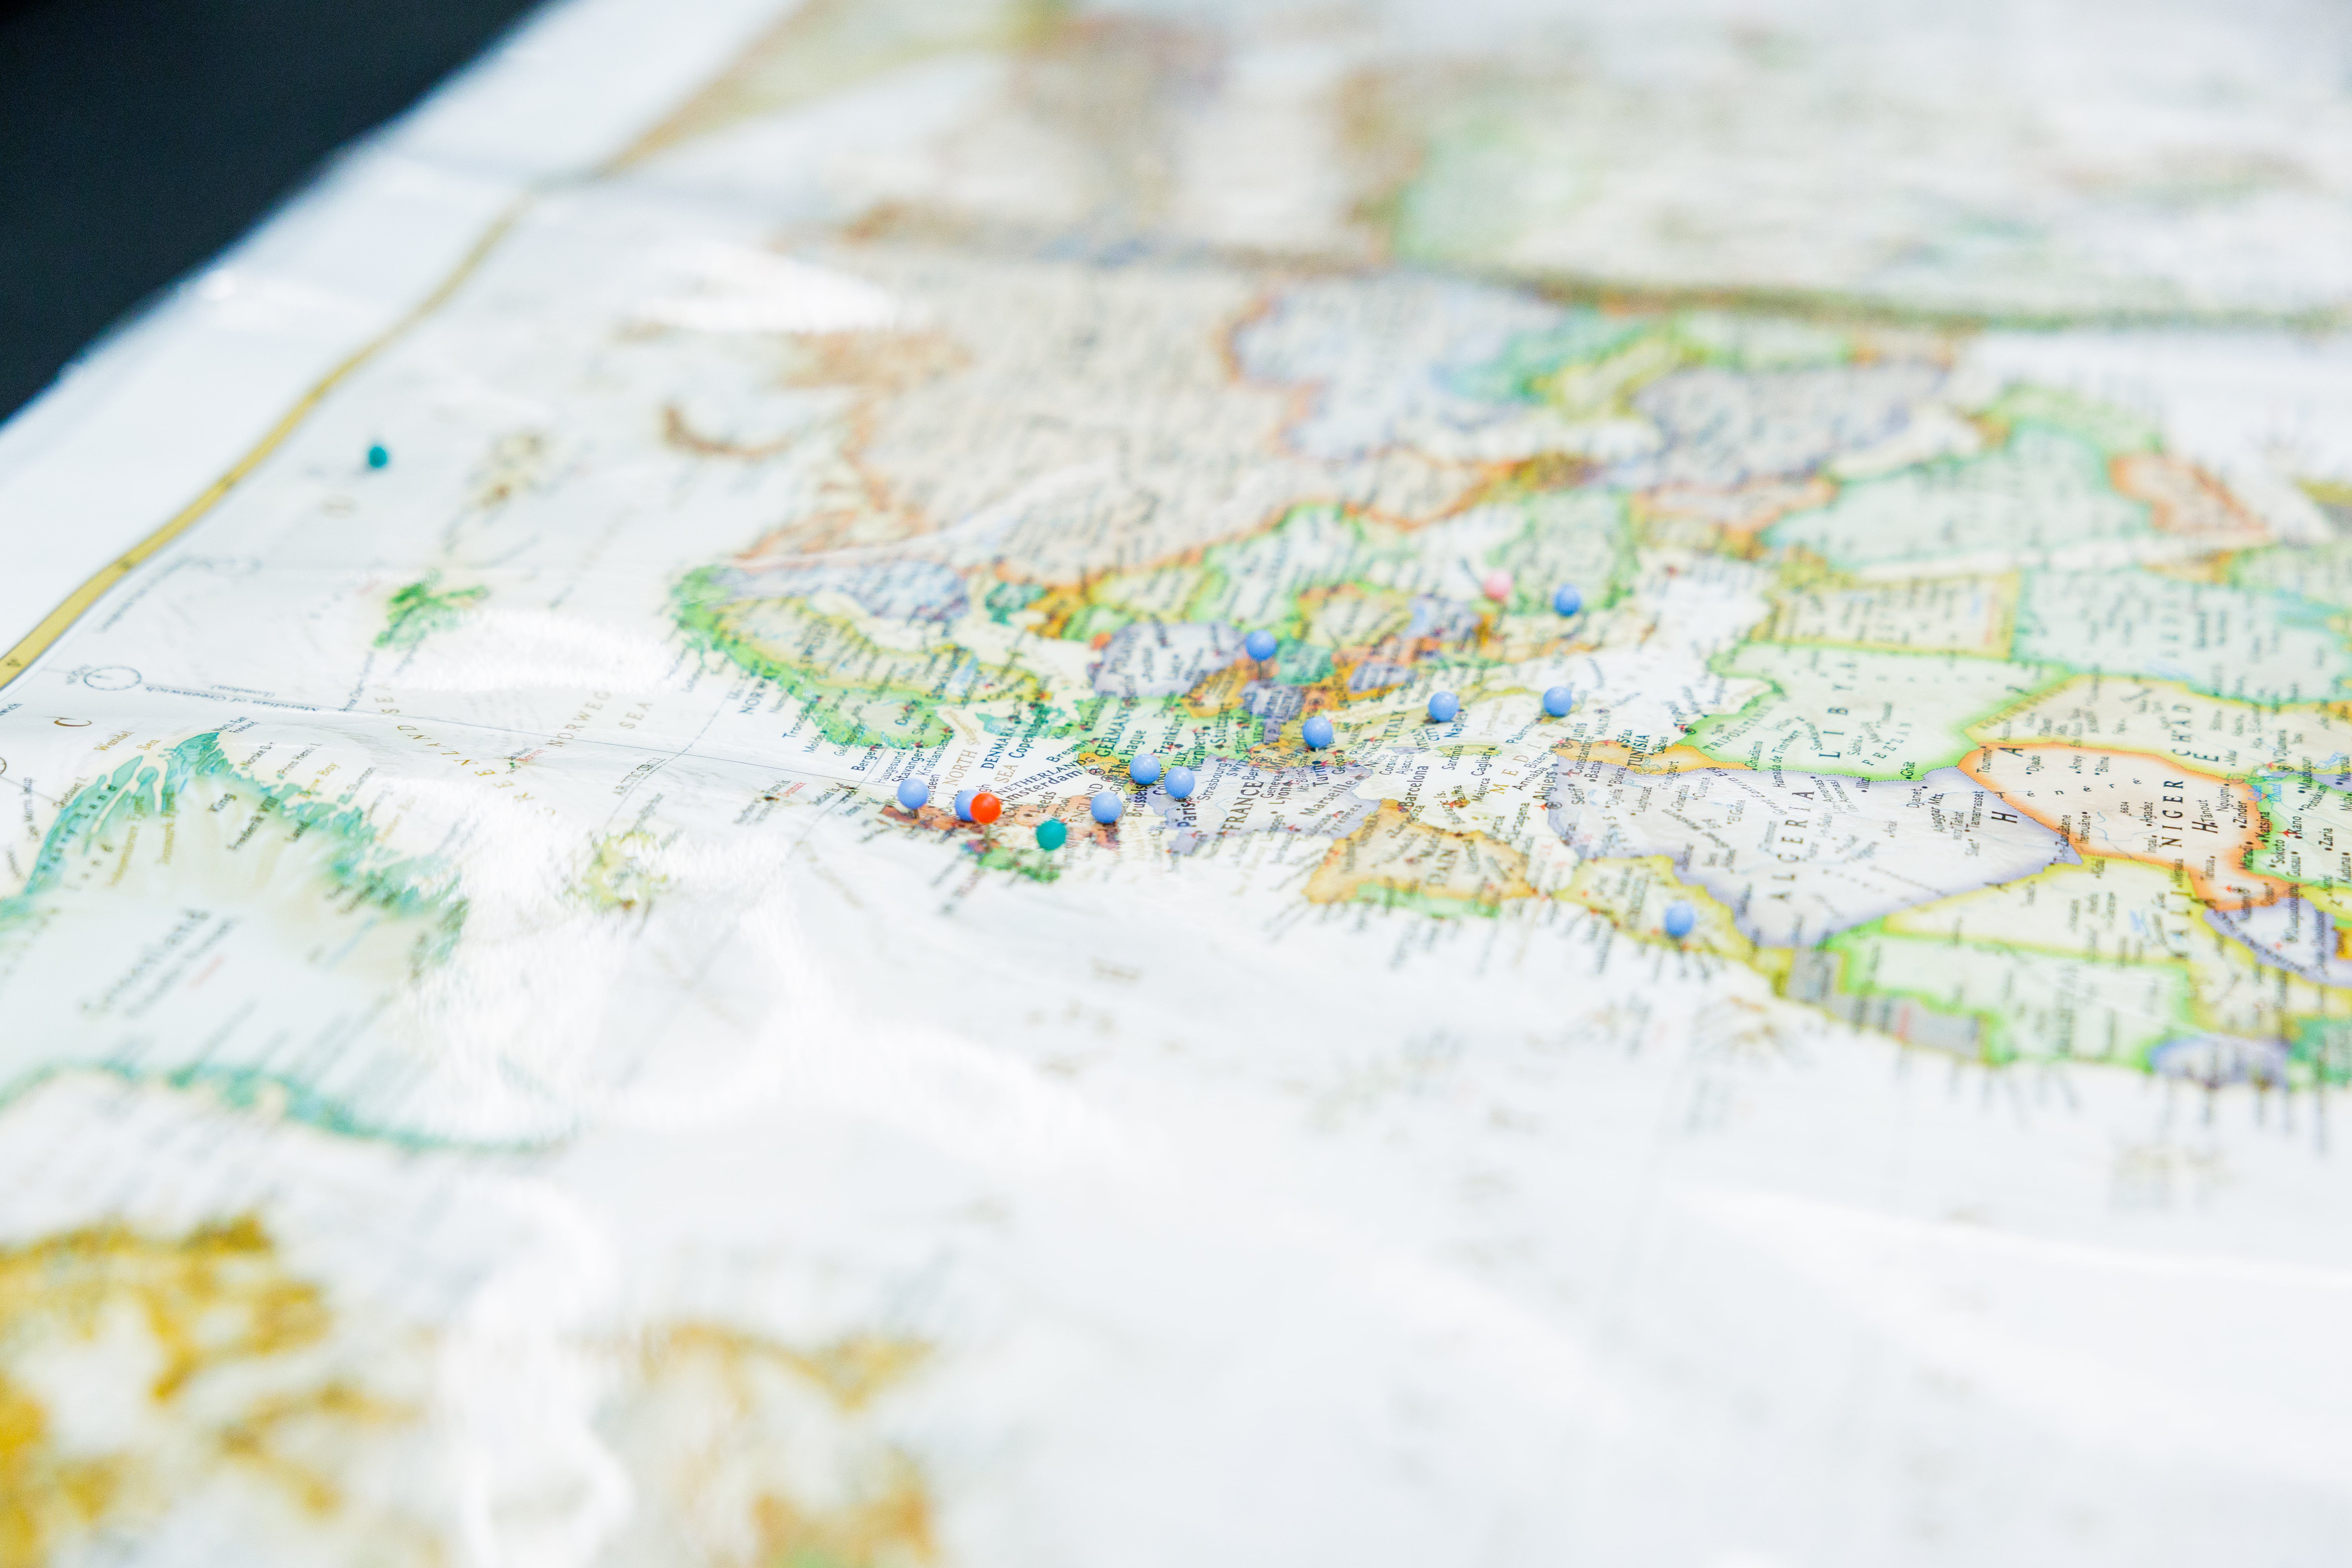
(1260, 643)
(963, 804)
(1567, 600)
(378, 456)
(1443, 706)
(914, 793)
(1318, 732)
(1144, 770)
(1179, 784)
(1681, 920)
(1558, 701)
(1105, 806)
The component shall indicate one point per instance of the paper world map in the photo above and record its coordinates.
(496, 1074)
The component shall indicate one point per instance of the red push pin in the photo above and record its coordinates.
(986, 809)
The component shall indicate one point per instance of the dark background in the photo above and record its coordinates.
(139, 137)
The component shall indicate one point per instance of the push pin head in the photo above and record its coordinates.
(1496, 587)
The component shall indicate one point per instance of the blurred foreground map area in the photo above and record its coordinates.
(492, 1074)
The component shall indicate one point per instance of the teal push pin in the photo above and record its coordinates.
(1052, 835)
(377, 455)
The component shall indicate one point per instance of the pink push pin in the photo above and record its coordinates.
(1497, 585)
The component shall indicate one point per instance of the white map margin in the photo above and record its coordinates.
(154, 412)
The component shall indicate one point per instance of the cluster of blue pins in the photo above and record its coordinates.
(1443, 706)
(971, 805)
(1565, 601)
(1179, 782)
(979, 806)
(1146, 770)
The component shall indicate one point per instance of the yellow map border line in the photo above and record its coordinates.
(58, 622)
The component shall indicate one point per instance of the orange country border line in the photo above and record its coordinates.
(2232, 881)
